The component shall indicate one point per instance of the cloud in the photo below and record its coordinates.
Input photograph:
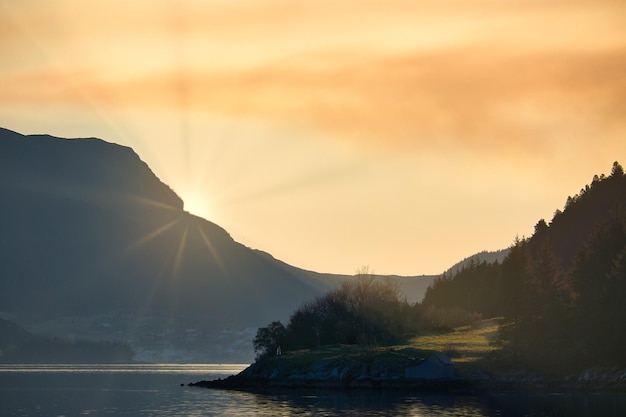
(476, 98)
(471, 98)
(523, 76)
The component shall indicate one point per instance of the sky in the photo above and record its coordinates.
(403, 135)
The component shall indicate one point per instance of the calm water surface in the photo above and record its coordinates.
(154, 390)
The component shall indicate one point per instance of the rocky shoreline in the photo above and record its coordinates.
(375, 371)
(233, 383)
(389, 372)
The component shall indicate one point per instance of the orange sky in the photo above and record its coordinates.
(403, 135)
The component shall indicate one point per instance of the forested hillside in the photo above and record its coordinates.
(489, 257)
(561, 291)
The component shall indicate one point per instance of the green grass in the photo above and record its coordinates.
(306, 357)
(466, 345)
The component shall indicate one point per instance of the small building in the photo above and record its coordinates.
(435, 366)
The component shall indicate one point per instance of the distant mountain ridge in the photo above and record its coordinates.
(79, 162)
(95, 245)
(17, 345)
(88, 230)
(489, 257)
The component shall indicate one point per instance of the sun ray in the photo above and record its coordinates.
(211, 249)
(169, 270)
(150, 236)
(180, 252)
(150, 202)
(156, 283)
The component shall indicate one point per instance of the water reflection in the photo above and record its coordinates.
(363, 403)
(155, 390)
(372, 403)
(558, 404)
(139, 368)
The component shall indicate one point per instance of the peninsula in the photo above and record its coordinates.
(342, 367)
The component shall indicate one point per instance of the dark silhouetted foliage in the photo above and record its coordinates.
(561, 291)
(268, 339)
(365, 311)
(470, 290)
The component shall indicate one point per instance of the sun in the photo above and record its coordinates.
(196, 204)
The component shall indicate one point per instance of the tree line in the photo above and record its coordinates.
(560, 294)
(366, 310)
(363, 311)
(561, 291)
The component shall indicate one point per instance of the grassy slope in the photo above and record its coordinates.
(467, 346)
(302, 359)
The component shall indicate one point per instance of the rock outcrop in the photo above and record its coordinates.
(367, 370)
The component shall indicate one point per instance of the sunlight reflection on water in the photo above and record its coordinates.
(155, 390)
(165, 368)
(325, 403)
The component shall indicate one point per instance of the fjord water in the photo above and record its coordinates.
(155, 390)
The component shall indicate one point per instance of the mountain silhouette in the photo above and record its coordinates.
(88, 229)
(93, 244)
